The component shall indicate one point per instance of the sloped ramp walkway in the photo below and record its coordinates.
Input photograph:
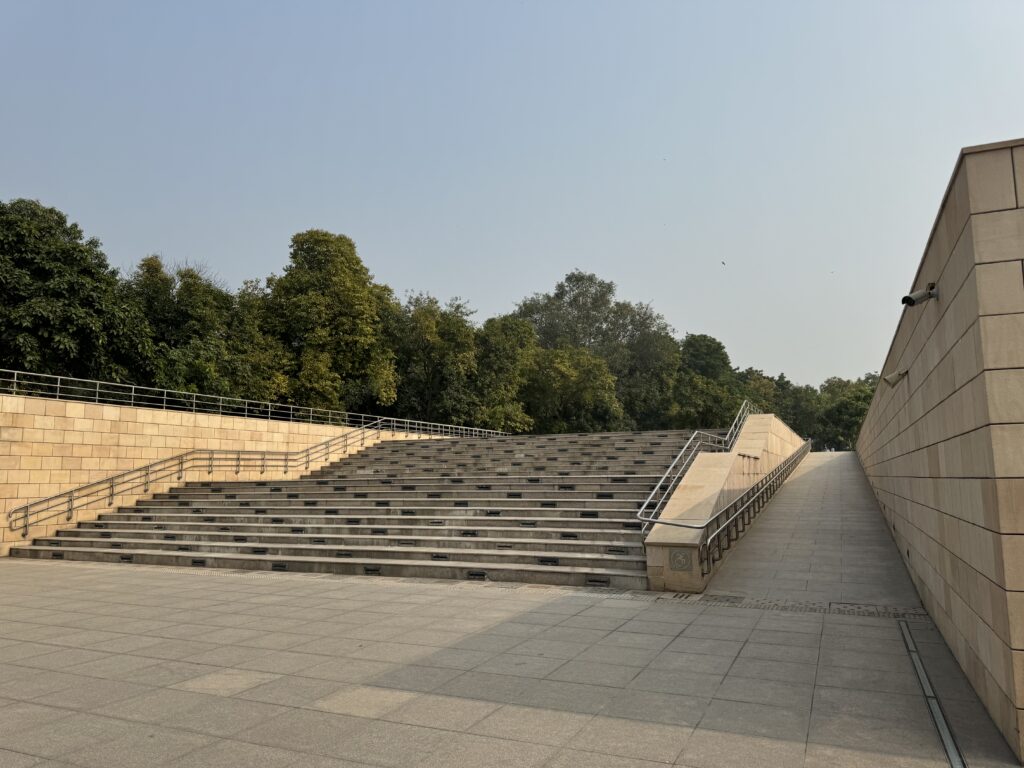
(820, 557)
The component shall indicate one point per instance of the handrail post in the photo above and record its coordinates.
(71, 506)
(58, 387)
(110, 497)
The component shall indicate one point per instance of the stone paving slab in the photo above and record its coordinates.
(106, 665)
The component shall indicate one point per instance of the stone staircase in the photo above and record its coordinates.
(552, 509)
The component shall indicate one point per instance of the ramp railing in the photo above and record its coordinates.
(650, 511)
(726, 526)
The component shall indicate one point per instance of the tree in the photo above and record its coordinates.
(575, 314)
(506, 356)
(256, 362)
(62, 310)
(324, 334)
(572, 390)
(798, 406)
(705, 355)
(188, 314)
(844, 404)
(634, 341)
(435, 355)
(703, 403)
(326, 311)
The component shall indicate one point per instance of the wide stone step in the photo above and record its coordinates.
(625, 529)
(616, 578)
(401, 487)
(450, 539)
(145, 513)
(477, 502)
(498, 482)
(472, 457)
(590, 559)
(444, 462)
(395, 495)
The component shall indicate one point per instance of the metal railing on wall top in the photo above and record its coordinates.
(131, 395)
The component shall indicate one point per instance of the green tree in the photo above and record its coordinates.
(506, 355)
(326, 311)
(62, 309)
(844, 404)
(189, 314)
(435, 353)
(256, 363)
(572, 390)
(705, 355)
(798, 406)
(634, 341)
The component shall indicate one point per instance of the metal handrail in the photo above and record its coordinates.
(699, 442)
(730, 522)
(107, 489)
(111, 393)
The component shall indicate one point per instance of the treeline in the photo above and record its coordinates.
(325, 334)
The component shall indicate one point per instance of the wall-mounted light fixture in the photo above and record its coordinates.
(919, 297)
(894, 378)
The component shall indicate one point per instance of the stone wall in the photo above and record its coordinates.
(943, 448)
(48, 447)
(711, 483)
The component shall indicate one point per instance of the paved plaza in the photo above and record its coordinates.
(105, 665)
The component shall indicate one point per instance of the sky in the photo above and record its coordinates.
(485, 149)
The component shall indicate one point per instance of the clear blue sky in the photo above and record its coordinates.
(484, 149)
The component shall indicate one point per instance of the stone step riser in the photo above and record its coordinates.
(455, 541)
(503, 482)
(592, 559)
(661, 455)
(399, 526)
(575, 464)
(539, 516)
(426, 569)
(474, 503)
(401, 487)
(398, 498)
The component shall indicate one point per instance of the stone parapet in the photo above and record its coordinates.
(48, 447)
(712, 482)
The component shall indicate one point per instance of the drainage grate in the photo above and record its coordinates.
(949, 745)
(807, 606)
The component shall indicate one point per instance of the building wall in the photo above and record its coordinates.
(943, 448)
(48, 447)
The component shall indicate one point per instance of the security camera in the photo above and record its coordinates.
(919, 297)
(894, 378)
